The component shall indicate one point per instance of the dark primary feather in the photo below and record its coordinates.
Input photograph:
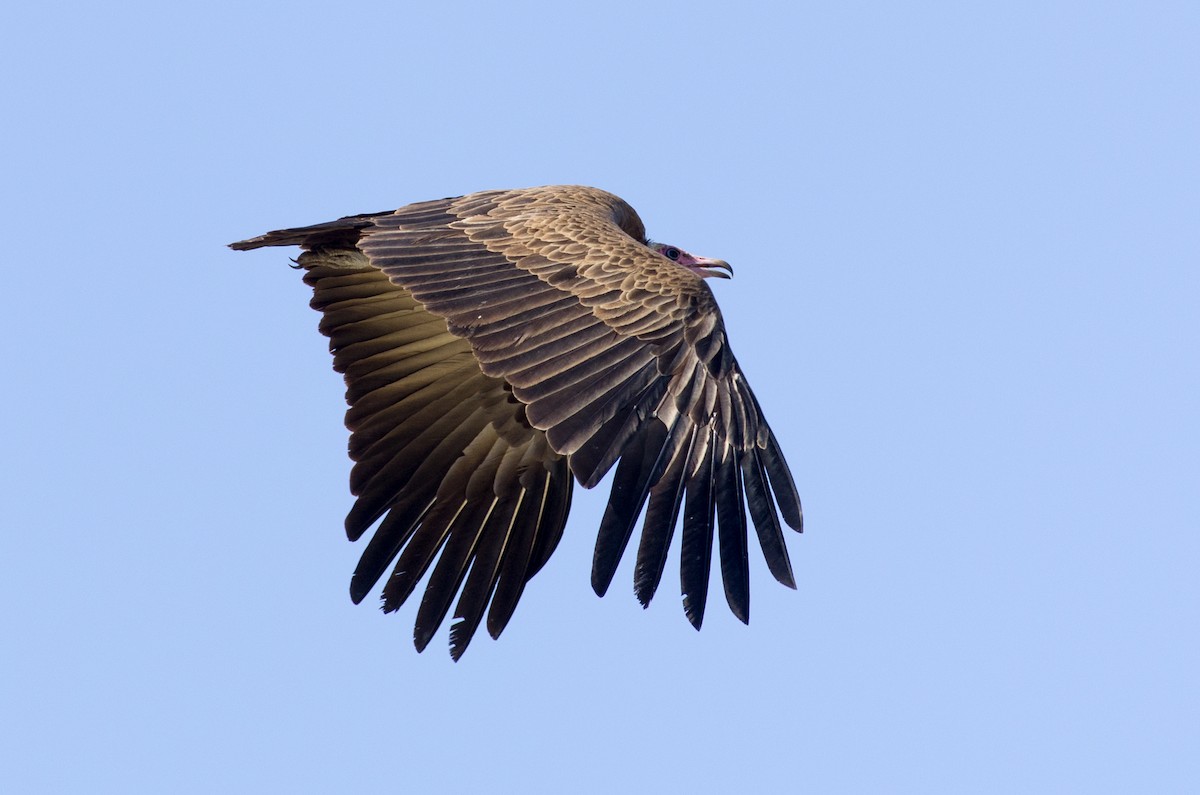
(498, 346)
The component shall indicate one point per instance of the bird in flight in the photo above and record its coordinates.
(500, 345)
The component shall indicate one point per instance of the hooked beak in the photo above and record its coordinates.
(708, 268)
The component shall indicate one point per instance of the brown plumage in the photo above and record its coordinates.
(495, 345)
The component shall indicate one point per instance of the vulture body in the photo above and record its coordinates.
(498, 346)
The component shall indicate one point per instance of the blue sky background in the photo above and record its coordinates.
(966, 239)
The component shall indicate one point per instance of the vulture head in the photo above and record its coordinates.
(702, 266)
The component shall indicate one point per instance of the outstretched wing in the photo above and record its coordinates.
(439, 447)
(551, 299)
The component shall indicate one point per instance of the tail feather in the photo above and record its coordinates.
(342, 232)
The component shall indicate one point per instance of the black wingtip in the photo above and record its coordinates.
(358, 591)
(601, 582)
(694, 610)
(643, 590)
(461, 633)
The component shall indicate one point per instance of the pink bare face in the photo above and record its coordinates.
(702, 266)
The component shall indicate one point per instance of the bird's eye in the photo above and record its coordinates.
(670, 252)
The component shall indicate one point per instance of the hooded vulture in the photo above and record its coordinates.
(500, 345)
